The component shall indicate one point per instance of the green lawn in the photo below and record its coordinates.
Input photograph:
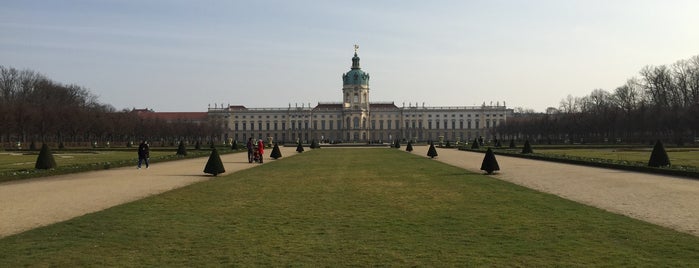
(17, 165)
(13, 161)
(352, 207)
(683, 157)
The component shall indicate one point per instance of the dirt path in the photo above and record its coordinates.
(663, 200)
(27, 204)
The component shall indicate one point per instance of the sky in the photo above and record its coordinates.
(186, 56)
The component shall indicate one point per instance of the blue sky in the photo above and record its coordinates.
(186, 55)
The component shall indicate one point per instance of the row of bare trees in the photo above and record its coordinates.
(34, 108)
(662, 103)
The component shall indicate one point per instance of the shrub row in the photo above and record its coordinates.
(60, 170)
(681, 171)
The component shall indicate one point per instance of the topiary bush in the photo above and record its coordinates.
(527, 148)
(32, 146)
(181, 150)
(61, 146)
(432, 152)
(409, 147)
(659, 158)
(45, 159)
(234, 146)
(396, 144)
(197, 145)
(447, 145)
(299, 147)
(475, 145)
(276, 153)
(490, 164)
(315, 144)
(214, 166)
(512, 144)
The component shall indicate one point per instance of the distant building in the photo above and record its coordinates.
(357, 119)
(173, 117)
(551, 110)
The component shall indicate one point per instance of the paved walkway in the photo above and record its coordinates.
(663, 200)
(27, 204)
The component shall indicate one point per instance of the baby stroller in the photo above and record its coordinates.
(256, 156)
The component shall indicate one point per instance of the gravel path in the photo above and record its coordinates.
(663, 200)
(667, 201)
(27, 204)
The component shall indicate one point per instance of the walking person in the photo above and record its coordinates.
(250, 150)
(260, 149)
(143, 153)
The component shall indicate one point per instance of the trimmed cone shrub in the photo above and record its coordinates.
(276, 153)
(512, 143)
(490, 164)
(32, 146)
(234, 146)
(214, 166)
(475, 145)
(409, 148)
(45, 159)
(659, 158)
(448, 145)
(315, 144)
(197, 145)
(181, 150)
(61, 146)
(432, 152)
(396, 144)
(527, 148)
(299, 148)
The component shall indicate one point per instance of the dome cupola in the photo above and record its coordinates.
(355, 76)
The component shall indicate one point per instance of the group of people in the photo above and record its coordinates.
(255, 154)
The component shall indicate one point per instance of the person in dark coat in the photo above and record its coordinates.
(143, 153)
(250, 150)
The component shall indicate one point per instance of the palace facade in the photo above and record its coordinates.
(357, 119)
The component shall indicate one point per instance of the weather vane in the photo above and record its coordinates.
(356, 47)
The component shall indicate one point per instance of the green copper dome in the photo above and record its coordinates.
(355, 76)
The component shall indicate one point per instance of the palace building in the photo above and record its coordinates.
(357, 119)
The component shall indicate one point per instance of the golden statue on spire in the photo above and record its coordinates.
(356, 47)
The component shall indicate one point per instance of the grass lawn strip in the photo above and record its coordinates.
(352, 207)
